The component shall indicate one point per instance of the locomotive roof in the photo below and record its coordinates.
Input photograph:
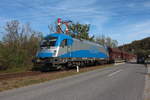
(64, 36)
(58, 35)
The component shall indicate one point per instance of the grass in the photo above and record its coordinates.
(25, 81)
(14, 70)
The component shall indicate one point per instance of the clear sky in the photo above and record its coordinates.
(123, 20)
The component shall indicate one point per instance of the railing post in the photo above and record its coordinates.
(77, 68)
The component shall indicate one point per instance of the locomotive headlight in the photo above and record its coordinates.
(38, 60)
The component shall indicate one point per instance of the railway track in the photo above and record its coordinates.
(25, 74)
(17, 75)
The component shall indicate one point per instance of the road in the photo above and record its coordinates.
(123, 82)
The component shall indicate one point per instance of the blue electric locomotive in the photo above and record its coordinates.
(61, 50)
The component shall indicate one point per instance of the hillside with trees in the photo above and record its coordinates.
(139, 47)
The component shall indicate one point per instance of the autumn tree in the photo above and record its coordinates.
(19, 45)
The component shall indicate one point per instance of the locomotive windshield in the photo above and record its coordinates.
(48, 42)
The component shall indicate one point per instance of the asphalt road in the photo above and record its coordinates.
(123, 82)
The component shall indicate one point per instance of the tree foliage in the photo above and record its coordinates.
(80, 30)
(18, 46)
(139, 47)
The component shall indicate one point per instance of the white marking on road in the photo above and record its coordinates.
(114, 73)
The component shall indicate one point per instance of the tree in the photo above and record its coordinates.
(101, 40)
(106, 41)
(80, 30)
(19, 45)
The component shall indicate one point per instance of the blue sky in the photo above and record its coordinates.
(123, 20)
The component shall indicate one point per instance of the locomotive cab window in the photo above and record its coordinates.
(48, 42)
(64, 43)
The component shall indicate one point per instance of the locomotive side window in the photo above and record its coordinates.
(47, 42)
(64, 43)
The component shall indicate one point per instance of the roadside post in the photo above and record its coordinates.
(147, 65)
(77, 68)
